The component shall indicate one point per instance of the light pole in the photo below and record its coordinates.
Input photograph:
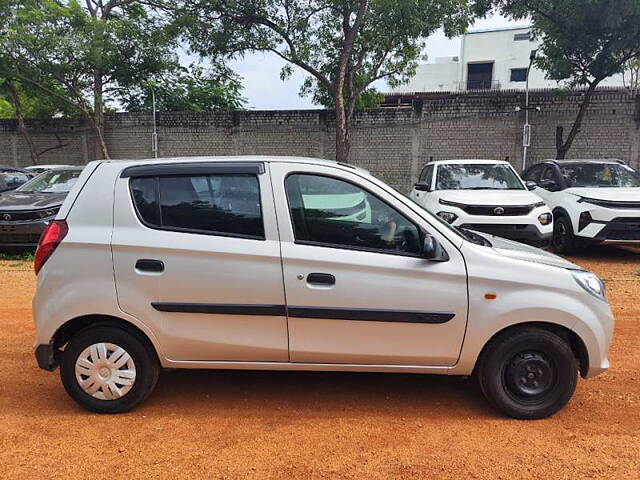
(526, 132)
(154, 135)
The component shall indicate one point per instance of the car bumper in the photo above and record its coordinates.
(21, 234)
(524, 233)
(46, 356)
(615, 226)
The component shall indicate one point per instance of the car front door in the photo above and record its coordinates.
(197, 257)
(358, 291)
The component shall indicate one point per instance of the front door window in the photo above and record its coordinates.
(334, 213)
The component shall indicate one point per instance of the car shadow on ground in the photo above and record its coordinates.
(311, 393)
(608, 252)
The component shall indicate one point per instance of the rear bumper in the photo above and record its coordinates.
(46, 357)
(519, 232)
(21, 234)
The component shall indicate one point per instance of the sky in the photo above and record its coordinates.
(264, 90)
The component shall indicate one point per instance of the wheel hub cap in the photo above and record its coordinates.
(530, 374)
(105, 371)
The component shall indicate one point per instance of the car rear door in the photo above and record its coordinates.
(197, 256)
(358, 291)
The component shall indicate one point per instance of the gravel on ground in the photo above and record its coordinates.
(216, 424)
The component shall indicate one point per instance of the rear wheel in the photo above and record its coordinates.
(108, 370)
(528, 373)
(564, 240)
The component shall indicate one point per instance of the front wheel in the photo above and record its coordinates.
(563, 241)
(528, 373)
(108, 370)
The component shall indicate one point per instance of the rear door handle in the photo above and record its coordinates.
(148, 265)
(321, 279)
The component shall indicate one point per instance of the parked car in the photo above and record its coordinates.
(486, 196)
(11, 178)
(144, 268)
(593, 201)
(43, 168)
(26, 211)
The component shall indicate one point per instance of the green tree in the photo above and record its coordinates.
(344, 45)
(17, 100)
(631, 75)
(583, 43)
(87, 55)
(192, 89)
(18, 103)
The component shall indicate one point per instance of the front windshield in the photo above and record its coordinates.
(477, 176)
(52, 181)
(600, 175)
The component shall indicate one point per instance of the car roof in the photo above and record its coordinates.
(234, 158)
(5, 169)
(67, 167)
(461, 161)
(48, 167)
(577, 161)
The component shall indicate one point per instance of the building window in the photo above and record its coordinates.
(521, 36)
(480, 76)
(518, 74)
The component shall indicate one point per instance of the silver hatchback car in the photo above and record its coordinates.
(281, 263)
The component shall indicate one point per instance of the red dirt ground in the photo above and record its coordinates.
(318, 425)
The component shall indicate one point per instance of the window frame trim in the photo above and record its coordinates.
(192, 169)
(313, 243)
(194, 231)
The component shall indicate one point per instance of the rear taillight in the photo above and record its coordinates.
(49, 241)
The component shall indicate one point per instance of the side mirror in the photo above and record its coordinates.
(530, 185)
(422, 187)
(432, 250)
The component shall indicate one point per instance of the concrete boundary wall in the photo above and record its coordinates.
(392, 142)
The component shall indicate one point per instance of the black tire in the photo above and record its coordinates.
(144, 358)
(528, 373)
(563, 241)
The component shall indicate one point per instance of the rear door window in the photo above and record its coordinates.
(223, 204)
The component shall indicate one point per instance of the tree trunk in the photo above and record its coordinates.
(22, 127)
(98, 116)
(343, 141)
(563, 147)
(343, 114)
(560, 150)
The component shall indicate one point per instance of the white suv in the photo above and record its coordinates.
(486, 196)
(283, 263)
(593, 201)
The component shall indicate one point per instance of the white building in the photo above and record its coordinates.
(489, 59)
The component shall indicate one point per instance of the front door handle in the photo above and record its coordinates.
(321, 279)
(148, 265)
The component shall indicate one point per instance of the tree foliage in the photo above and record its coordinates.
(192, 89)
(344, 45)
(85, 55)
(96, 54)
(583, 43)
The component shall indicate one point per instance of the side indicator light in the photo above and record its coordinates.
(490, 296)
